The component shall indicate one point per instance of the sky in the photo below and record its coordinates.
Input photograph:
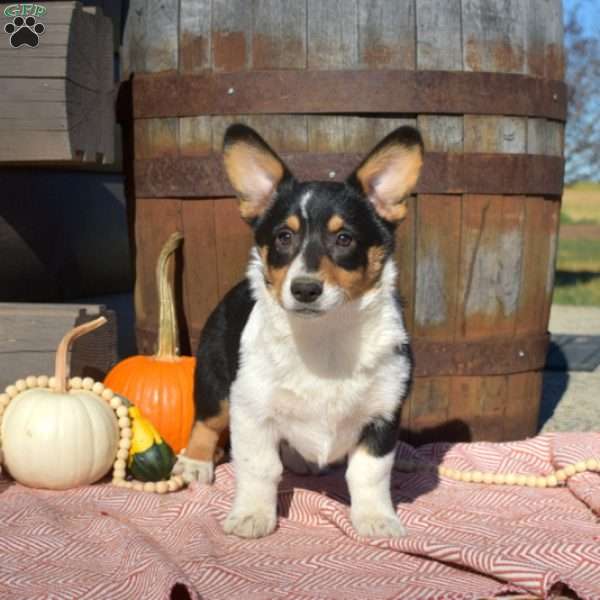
(590, 12)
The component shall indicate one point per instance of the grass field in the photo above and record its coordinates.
(578, 267)
(581, 204)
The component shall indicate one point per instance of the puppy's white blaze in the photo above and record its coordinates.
(304, 202)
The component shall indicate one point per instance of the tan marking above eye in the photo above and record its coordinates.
(335, 224)
(358, 281)
(293, 222)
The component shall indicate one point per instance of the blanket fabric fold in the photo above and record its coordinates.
(464, 540)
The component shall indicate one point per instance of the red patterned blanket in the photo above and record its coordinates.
(465, 540)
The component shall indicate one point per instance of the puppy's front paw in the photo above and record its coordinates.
(378, 525)
(194, 470)
(248, 524)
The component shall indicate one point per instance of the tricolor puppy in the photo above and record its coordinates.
(310, 349)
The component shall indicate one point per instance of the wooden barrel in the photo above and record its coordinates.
(323, 81)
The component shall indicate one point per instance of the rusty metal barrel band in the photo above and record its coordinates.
(348, 92)
(497, 356)
(443, 173)
(433, 358)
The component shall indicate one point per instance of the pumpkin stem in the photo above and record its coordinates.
(168, 334)
(62, 367)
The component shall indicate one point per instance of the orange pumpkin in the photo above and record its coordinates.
(162, 386)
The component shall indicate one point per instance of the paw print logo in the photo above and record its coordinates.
(24, 32)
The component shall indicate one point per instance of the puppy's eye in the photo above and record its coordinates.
(343, 239)
(284, 237)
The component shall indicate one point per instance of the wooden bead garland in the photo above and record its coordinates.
(119, 407)
(176, 482)
(554, 479)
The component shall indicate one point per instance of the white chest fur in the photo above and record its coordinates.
(319, 381)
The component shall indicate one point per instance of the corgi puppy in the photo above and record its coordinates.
(310, 350)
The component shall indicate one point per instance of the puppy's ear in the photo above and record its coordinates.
(254, 170)
(390, 172)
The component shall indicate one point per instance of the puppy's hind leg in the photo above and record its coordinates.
(196, 463)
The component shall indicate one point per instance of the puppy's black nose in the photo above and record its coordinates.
(306, 289)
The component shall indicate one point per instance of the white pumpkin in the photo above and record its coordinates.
(59, 440)
(54, 437)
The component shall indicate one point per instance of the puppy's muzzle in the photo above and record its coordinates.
(306, 289)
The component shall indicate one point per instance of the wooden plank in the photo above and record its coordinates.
(43, 145)
(522, 407)
(437, 261)
(555, 61)
(82, 112)
(326, 134)
(439, 41)
(464, 405)
(405, 257)
(429, 404)
(386, 34)
(505, 135)
(43, 124)
(30, 335)
(361, 134)
(284, 133)
(332, 34)
(82, 63)
(35, 67)
(531, 315)
(279, 34)
(231, 28)
(133, 55)
(544, 30)
(483, 403)
(491, 258)
(57, 50)
(27, 327)
(33, 110)
(195, 136)
(107, 93)
(441, 133)
(29, 90)
(493, 399)
(233, 242)
(201, 278)
(154, 223)
(494, 35)
(194, 35)
(552, 224)
(161, 42)
(544, 137)
(155, 137)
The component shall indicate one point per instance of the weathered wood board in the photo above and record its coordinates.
(56, 99)
(30, 334)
